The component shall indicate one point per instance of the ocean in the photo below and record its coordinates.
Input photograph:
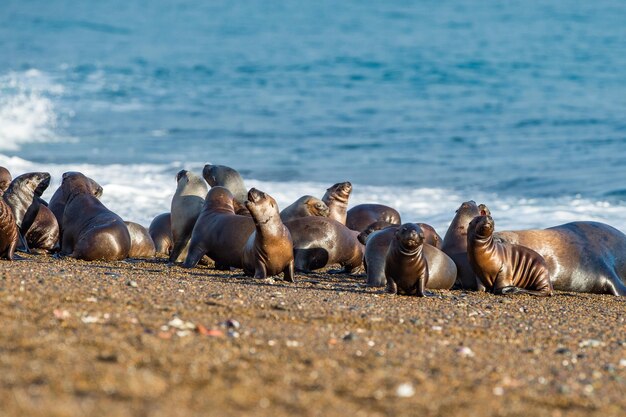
(520, 105)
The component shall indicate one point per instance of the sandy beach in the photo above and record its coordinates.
(143, 339)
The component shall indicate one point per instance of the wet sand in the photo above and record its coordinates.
(139, 338)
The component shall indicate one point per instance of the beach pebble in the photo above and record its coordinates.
(465, 352)
(591, 343)
(405, 390)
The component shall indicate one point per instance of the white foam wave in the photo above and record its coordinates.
(27, 109)
(140, 192)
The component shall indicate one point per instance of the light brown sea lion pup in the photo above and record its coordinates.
(269, 249)
(90, 230)
(455, 246)
(219, 233)
(303, 207)
(336, 198)
(322, 241)
(185, 209)
(8, 231)
(502, 267)
(141, 244)
(5, 178)
(161, 233)
(361, 216)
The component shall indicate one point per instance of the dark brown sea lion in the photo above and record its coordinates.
(219, 233)
(141, 244)
(406, 268)
(303, 207)
(441, 267)
(185, 209)
(43, 235)
(5, 178)
(229, 178)
(455, 246)
(8, 231)
(161, 233)
(269, 249)
(361, 216)
(431, 236)
(322, 241)
(505, 268)
(581, 256)
(59, 199)
(90, 230)
(336, 198)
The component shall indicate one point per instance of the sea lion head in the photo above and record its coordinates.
(5, 179)
(317, 207)
(482, 227)
(379, 225)
(468, 208)
(340, 191)
(262, 206)
(181, 174)
(77, 179)
(219, 198)
(410, 237)
(484, 210)
(218, 175)
(33, 183)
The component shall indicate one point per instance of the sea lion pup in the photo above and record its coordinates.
(441, 267)
(141, 244)
(336, 198)
(303, 207)
(322, 241)
(219, 233)
(161, 233)
(59, 199)
(185, 209)
(581, 256)
(269, 249)
(431, 236)
(505, 268)
(90, 230)
(455, 246)
(406, 268)
(8, 231)
(5, 178)
(361, 216)
(43, 235)
(229, 178)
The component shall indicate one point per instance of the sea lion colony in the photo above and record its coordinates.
(235, 228)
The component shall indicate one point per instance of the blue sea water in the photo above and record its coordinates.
(421, 104)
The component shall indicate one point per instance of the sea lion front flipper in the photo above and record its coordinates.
(288, 273)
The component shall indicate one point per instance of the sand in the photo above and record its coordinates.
(138, 338)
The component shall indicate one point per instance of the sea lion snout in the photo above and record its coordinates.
(255, 195)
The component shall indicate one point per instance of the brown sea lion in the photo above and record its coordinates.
(43, 235)
(336, 198)
(59, 199)
(361, 216)
(269, 249)
(455, 246)
(406, 268)
(5, 178)
(8, 231)
(303, 207)
(185, 209)
(322, 241)
(141, 244)
(505, 268)
(219, 233)
(581, 256)
(229, 178)
(90, 230)
(441, 267)
(161, 233)
(431, 236)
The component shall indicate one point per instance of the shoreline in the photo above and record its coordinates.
(102, 338)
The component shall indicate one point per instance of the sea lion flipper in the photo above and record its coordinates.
(288, 273)
(391, 288)
(260, 271)
(23, 244)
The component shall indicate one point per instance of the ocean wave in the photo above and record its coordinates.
(142, 191)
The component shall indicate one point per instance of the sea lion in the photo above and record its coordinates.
(141, 244)
(269, 249)
(336, 198)
(223, 176)
(59, 199)
(219, 233)
(161, 233)
(43, 235)
(431, 236)
(361, 216)
(185, 209)
(5, 178)
(303, 207)
(8, 231)
(455, 246)
(505, 268)
(321, 241)
(406, 268)
(442, 269)
(90, 230)
(581, 256)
